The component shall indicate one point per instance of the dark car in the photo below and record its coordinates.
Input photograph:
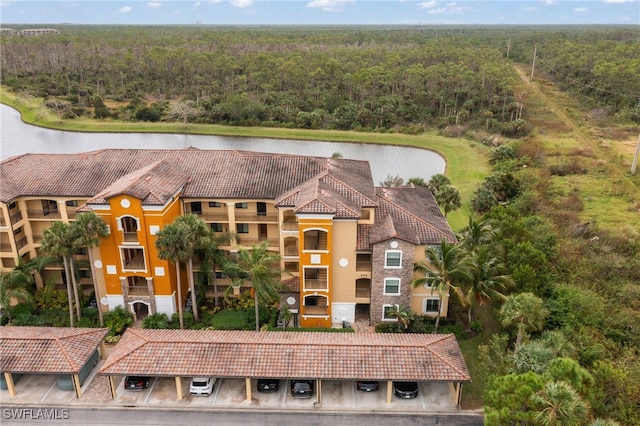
(367, 385)
(268, 385)
(405, 389)
(302, 388)
(136, 383)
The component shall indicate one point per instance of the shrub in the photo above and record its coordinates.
(118, 320)
(157, 321)
(388, 328)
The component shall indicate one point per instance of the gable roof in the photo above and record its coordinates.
(288, 354)
(154, 184)
(411, 214)
(47, 350)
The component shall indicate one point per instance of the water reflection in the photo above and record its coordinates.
(19, 138)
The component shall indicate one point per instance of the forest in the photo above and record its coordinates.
(369, 79)
(549, 319)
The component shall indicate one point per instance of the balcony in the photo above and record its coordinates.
(130, 237)
(316, 310)
(22, 242)
(363, 293)
(289, 226)
(16, 217)
(136, 264)
(138, 290)
(291, 251)
(248, 242)
(316, 284)
(44, 214)
(5, 247)
(242, 216)
(213, 216)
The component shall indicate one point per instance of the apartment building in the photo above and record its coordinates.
(347, 248)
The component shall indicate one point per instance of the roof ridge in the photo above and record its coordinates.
(373, 202)
(138, 346)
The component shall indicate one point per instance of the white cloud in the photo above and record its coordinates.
(197, 4)
(428, 4)
(580, 9)
(154, 4)
(125, 9)
(241, 3)
(528, 9)
(214, 1)
(5, 3)
(177, 12)
(619, 1)
(549, 2)
(329, 5)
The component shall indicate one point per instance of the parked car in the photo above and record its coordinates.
(202, 385)
(268, 385)
(136, 383)
(65, 381)
(405, 389)
(367, 385)
(3, 383)
(302, 388)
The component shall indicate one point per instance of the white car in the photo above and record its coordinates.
(202, 385)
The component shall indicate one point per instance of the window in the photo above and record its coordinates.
(392, 286)
(261, 209)
(214, 204)
(393, 259)
(72, 203)
(388, 313)
(241, 205)
(12, 205)
(84, 273)
(431, 306)
(242, 228)
(216, 227)
(133, 259)
(221, 275)
(49, 206)
(196, 207)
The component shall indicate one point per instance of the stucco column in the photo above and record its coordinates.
(179, 387)
(112, 387)
(76, 385)
(8, 377)
(247, 384)
(231, 212)
(389, 391)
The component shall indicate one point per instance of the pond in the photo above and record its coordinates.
(18, 138)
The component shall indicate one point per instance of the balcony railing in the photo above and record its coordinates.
(363, 293)
(316, 310)
(291, 251)
(5, 247)
(22, 242)
(130, 237)
(289, 226)
(255, 217)
(135, 265)
(312, 284)
(363, 266)
(16, 217)
(213, 217)
(138, 290)
(248, 242)
(44, 214)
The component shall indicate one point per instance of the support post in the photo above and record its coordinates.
(247, 384)
(112, 387)
(179, 387)
(389, 391)
(76, 385)
(8, 377)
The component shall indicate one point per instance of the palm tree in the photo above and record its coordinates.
(445, 268)
(560, 405)
(257, 265)
(525, 311)
(213, 257)
(477, 233)
(402, 313)
(173, 245)
(488, 279)
(89, 229)
(14, 285)
(197, 230)
(56, 242)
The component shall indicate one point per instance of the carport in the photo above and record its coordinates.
(288, 355)
(47, 350)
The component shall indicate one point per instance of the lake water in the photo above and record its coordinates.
(18, 138)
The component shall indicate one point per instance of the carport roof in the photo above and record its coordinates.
(275, 354)
(47, 350)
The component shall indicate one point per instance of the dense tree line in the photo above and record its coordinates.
(368, 78)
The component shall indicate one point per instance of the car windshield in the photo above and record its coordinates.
(199, 383)
(302, 386)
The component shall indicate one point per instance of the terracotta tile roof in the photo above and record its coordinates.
(411, 214)
(330, 356)
(47, 350)
(154, 184)
(214, 173)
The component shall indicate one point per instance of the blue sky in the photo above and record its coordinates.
(320, 12)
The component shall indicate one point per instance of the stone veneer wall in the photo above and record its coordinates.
(379, 273)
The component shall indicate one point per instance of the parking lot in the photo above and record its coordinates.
(227, 394)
